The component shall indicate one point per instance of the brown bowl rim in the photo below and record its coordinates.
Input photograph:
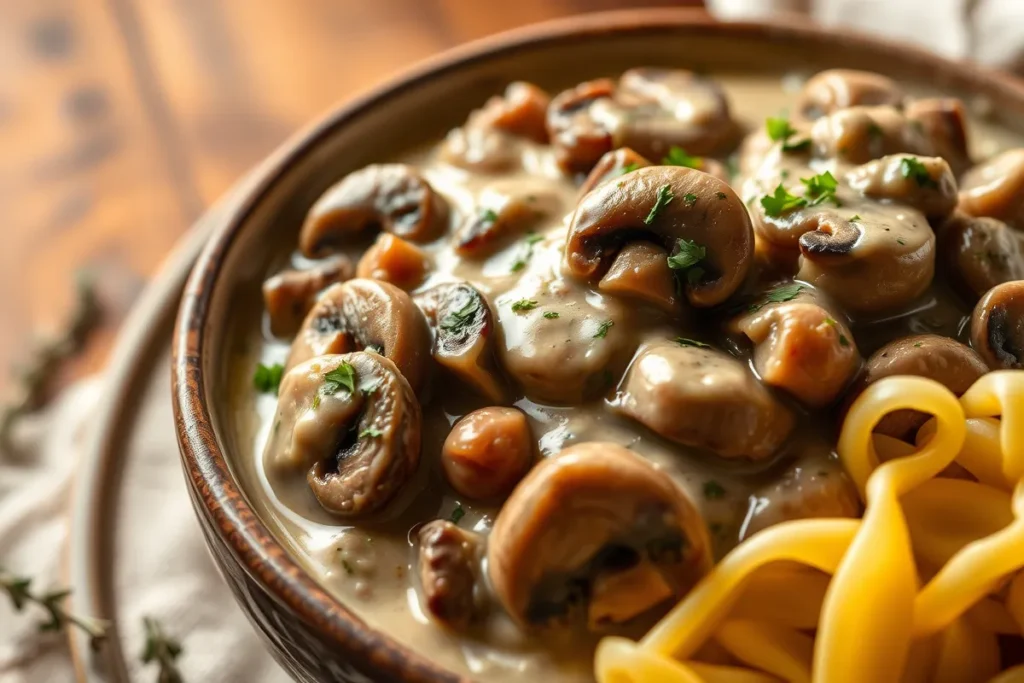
(205, 465)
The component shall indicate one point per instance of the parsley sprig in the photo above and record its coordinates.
(459, 319)
(660, 202)
(19, 591)
(913, 169)
(267, 378)
(778, 295)
(523, 305)
(686, 259)
(341, 377)
(779, 130)
(819, 189)
(163, 650)
(677, 156)
(781, 202)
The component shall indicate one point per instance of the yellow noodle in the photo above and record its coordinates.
(876, 621)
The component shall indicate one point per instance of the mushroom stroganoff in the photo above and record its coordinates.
(537, 381)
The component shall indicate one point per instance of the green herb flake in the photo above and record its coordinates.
(316, 400)
(532, 238)
(629, 168)
(347, 567)
(527, 253)
(267, 378)
(341, 377)
(688, 254)
(602, 329)
(855, 218)
(798, 146)
(660, 202)
(523, 305)
(551, 315)
(489, 216)
(917, 345)
(720, 195)
(830, 322)
(690, 198)
(900, 240)
(914, 170)
(778, 295)
(713, 490)
(518, 265)
(371, 432)
(457, 514)
(456, 321)
(677, 156)
(843, 341)
(782, 201)
(820, 188)
(683, 341)
(779, 129)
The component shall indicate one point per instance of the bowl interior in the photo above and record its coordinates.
(423, 108)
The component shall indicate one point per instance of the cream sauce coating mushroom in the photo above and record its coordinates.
(703, 398)
(352, 424)
(995, 188)
(506, 211)
(361, 314)
(997, 326)
(640, 271)
(665, 205)
(802, 492)
(637, 540)
(923, 183)
(390, 197)
(829, 91)
(487, 452)
(288, 295)
(942, 359)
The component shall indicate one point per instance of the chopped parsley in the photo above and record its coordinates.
(855, 218)
(775, 205)
(316, 400)
(690, 198)
(917, 345)
(778, 295)
(720, 195)
(779, 129)
(713, 490)
(341, 377)
(456, 321)
(530, 240)
(683, 341)
(820, 188)
(551, 315)
(489, 216)
(267, 378)
(688, 254)
(900, 241)
(523, 305)
(371, 432)
(660, 202)
(843, 341)
(457, 514)
(629, 168)
(914, 170)
(677, 156)
(602, 329)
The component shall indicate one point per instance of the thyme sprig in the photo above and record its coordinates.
(19, 590)
(163, 650)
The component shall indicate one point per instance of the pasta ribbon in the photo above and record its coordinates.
(917, 590)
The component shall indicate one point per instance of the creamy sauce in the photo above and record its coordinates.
(566, 372)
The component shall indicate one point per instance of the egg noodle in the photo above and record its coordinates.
(918, 590)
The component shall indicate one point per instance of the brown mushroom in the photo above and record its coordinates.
(805, 491)
(579, 137)
(703, 398)
(835, 89)
(635, 540)
(487, 452)
(449, 567)
(995, 188)
(288, 295)
(507, 217)
(464, 336)
(390, 197)
(482, 150)
(361, 314)
(641, 271)
(924, 183)
(353, 423)
(800, 346)
(671, 206)
(672, 108)
(944, 122)
(613, 165)
(392, 259)
(859, 134)
(981, 253)
(942, 359)
(997, 326)
(521, 111)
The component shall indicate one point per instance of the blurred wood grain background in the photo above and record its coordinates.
(121, 120)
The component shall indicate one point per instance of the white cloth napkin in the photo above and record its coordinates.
(170, 574)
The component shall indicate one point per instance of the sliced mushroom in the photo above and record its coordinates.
(942, 359)
(487, 452)
(802, 347)
(665, 204)
(703, 398)
(505, 214)
(829, 91)
(995, 188)
(464, 336)
(981, 253)
(944, 121)
(859, 134)
(875, 262)
(997, 326)
(578, 136)
(449, 567)
(805, 491)
(521, 111)
(361, 314)
(482, 150)
(641, 271)
(390, 197)
(353, 422)
(613, 165)
(924, 183)
(636, 540)
(392, 259)
(672, 107)
(288, 296)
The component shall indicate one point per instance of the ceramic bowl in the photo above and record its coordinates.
(313, 635)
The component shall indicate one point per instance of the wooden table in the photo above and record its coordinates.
(120, 120)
